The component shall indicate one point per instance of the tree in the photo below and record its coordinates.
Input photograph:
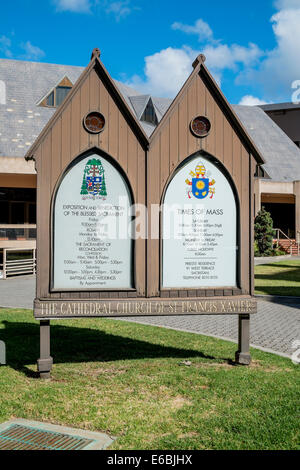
(264, 233)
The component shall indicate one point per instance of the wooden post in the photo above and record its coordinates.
(45, 362)
(242, 356)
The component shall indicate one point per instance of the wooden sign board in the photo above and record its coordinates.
(180, 202)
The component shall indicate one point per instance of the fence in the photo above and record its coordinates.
(19, 265)
(292, 246)
(17, 232)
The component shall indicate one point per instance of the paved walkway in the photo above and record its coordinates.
(274, 259)
(274, 328)
(17, 292)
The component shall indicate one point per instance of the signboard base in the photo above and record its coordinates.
(45, 311)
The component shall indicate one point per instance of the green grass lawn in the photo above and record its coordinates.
(282, 278)
(126, 380)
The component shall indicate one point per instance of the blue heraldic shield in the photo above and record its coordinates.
(94, 184)
(200, 187)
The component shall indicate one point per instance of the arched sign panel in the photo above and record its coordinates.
(199, 228)
(92, 239)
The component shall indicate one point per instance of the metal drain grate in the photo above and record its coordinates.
(18, 437)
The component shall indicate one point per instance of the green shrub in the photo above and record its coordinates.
(263, 234)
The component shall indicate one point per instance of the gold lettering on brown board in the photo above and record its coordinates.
(86, 309)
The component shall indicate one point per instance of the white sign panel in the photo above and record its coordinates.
(92, 243)
(199, 228)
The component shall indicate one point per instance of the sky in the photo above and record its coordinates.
(252, 48)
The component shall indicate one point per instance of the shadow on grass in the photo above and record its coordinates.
(287, 291)
(71, 344)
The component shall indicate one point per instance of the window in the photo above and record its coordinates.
(4, 212)
(18, 212)
(50, 99)
(57, 95)
(2, 92)
(259, 173)
(149, 114)
(279, 112)
(61, 93)
(17, 206)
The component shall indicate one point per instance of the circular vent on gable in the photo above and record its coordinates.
(94, 122)
(200, 126)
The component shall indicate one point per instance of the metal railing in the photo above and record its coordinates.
(292, 242)
(298, 241)
(17, 266)
(17, 231)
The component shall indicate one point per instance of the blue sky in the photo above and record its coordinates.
(252, 48)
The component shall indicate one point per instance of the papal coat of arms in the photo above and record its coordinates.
(201, 186)
(93, 182)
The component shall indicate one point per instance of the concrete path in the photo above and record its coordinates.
(275, 259)
(17, 292)
(275, 327)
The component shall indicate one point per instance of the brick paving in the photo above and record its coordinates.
(274, 327)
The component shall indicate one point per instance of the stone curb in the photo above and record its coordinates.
(271, 259)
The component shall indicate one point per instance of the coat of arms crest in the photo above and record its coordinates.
(201, 185)
(93, 182)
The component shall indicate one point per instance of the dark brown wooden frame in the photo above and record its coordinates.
(198, 291)
(148, 165)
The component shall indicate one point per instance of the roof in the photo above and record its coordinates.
(22, 120)
(281, 155)
(280, 106)
(139, 104)
(97, 66)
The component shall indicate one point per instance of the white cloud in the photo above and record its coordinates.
(165, 71)
(249, 100)
(31, 52)
(200, 28)
(119, 9)
(286, 4)
(5, 46)
(272, 71)
(222, 56)
(281, 65)
(76, 6)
